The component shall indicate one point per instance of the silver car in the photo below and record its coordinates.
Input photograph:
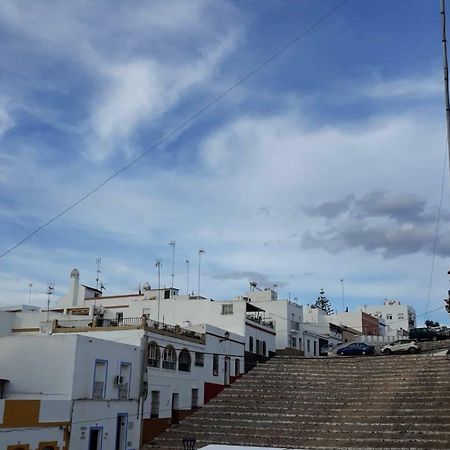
(401, 346)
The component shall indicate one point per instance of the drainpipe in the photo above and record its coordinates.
(143, 386)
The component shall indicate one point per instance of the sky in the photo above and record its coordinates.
(325, 165)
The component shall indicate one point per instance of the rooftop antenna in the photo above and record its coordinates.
(253, 285)
(51, 288)
(343, 295)
(200, 253)
(172, 244)
(158, 265)
(30, 285)
(98, 261)
(187, 277)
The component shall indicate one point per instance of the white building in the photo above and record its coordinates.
(398, 318)
(69, 391)
(287, 315)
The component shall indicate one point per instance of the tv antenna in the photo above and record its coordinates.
(98, 262)
(50, 290)
(172, 244)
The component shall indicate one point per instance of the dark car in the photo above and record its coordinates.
(357, 348)
(425, 334)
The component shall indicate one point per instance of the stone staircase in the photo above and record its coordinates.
(395, 402)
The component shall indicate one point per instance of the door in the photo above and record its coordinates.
(175, 414)
(95, 438)
(121, 431)
(226, 380)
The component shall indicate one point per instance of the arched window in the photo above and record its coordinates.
(169, 358)
(184, 361)
(154, 355)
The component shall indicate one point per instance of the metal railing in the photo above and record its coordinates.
(261, 320)
(132, 322)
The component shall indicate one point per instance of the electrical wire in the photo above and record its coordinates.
(178, 128)
(436, 234)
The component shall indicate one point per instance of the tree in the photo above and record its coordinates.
(430, 323)
(323, 303)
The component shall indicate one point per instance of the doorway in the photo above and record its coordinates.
(121, 431)
(226, 380)
(95, 438)
(175, 406)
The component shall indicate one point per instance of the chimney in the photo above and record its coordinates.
(74, 287)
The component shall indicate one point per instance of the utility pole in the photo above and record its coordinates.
(447, 98)
(51, 288)
(187, 277)
(158, 265)
(343, 295)
(200, 253)
(172, 244)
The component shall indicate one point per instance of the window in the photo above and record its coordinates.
(315, 348)
(250, 344)
(154, 412)
(308, 345)
(258, 350)
(389, 316)
(184, 361)
(400, 316)
(100, 370)
(124, 380)
(119, 318)
(300, 343)
(169, 358)
(215, 365)
(237, 367)
(199, 359)
(154, 355)
(264, 348)
(293, 342)
(227, 309)
(167, 294)
(194, 399)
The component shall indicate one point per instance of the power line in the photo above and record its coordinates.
(177, 129)
(436, 234)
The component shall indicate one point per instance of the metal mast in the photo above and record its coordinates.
(200, 252)
(158, 265)
(172, 244)
(187, 278)
(98, 261)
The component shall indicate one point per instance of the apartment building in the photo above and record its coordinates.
(69, 392)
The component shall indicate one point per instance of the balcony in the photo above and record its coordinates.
(261, 320)
(295, 326)
(126, 323)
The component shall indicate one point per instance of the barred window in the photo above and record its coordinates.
(154, 355)
(169, 358)
(184, 361)
(227, 309)
(199, 359)
(154, 413)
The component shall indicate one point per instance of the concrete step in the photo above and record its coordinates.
(336, 440)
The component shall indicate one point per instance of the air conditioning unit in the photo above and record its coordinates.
(118, 380)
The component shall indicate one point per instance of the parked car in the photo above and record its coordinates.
(356, 348)
(425, 334)
(402, 346)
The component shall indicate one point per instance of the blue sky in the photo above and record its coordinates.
(326, 164)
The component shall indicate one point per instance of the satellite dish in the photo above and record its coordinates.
(146, 286)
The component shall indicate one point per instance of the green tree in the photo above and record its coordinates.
(324, 303)
(431, 323)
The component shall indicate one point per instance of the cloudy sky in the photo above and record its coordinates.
(325, 165)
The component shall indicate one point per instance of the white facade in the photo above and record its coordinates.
(69, 381)
(287, 315)
(398, 318)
